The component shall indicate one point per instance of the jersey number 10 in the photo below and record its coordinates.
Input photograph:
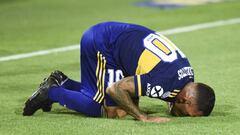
(162, 47)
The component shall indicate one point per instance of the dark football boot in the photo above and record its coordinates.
(59, 76)
(40, 99)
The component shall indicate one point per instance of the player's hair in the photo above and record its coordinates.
(205, 98)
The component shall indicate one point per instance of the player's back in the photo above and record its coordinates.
(154, 60)
(108, 32)
(119, 41)
(133, 48)
(138, 51)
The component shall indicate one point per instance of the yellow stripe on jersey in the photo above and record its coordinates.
(97, 63)
(100, 75)
(99, 78)
(161, 46)
(139, 85)
(176, 90)
(97, 70)
(174, 94)
(103, 79)
(171, 96)
(147, 61)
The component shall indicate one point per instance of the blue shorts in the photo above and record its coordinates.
(97, 67)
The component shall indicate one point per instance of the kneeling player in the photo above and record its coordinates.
(119, 63)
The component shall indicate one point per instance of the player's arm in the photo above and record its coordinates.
(121, 92)
(117, 111)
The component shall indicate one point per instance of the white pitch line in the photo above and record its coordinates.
(165, 32)
(200, 26)
(39, 53)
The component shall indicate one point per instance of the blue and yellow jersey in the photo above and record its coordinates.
(159, 68)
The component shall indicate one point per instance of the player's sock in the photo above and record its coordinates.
(75, 100)
(72, 85)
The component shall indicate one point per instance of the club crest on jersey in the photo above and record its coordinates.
(156, 91)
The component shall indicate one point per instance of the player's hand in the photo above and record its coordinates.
(155, 119)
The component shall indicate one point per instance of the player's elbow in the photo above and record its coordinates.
(126, 85)
(111, 90)
(114, 89)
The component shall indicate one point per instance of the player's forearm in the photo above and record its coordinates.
(121, 92)
(123, 98)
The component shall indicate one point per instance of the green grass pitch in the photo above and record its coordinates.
(27, 26)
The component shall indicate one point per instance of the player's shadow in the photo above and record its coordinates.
(154, 109)
(65, 111)
(218, 111)
(55, 110)
(221, 112)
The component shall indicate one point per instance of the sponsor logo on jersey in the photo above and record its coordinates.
(184, 72)
(148, 89)
(156, 91)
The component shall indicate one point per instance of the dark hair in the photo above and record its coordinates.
(205, 98)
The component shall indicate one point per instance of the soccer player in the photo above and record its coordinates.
(119, 63)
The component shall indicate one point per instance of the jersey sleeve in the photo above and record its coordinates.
(154, 87)
(138, 85)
